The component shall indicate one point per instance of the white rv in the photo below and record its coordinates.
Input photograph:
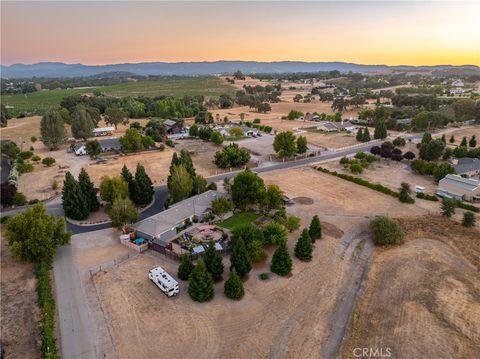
(164, 281)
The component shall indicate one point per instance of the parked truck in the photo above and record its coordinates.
(164, 281)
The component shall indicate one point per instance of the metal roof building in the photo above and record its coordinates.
(459, 187)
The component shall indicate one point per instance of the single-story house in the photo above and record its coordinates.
(110, 144)
(458, 83)
(103, 131)
(458, 187)
(172, 127)
(467, 166)
(162, 227)
(310, 117)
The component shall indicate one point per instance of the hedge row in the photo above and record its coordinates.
(467, 206)
(47, 305)
(360, 181)
(427, 197)
(266, 129)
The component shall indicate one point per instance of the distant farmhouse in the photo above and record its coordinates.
(107, 144)
(337, 126)
(103, 131)
(458, 187)
(173, 127)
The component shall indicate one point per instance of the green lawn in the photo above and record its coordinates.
(239, 219)
(38, 102)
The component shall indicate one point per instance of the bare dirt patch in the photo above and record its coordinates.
(421, 300)
(20, 315)
(331, 230)
(303, 200)
(202, 153)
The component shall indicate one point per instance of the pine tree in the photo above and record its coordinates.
(175, 162)
(452, 139)
(303, 248)
(143, 187)
(448, 207)
(185, 268)
(74, 203)
(281, 261)
(240, 259)
(213, 261)
(473, 141)
(366, 135)
(186, 160)
(315, 229)
(380, 130)
(233, 287)
(464, 142)
(88, 190)
(359, 136)
(128, 177)
(200, 283)
(444, 139)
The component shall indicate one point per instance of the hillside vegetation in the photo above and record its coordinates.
(38, 102)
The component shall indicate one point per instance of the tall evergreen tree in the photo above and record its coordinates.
(380, 130)
(240, 259)
(213, 261)
(452, 139)
(143, 187)
(52, 130)
(315, 229)
(200, 283)
(464, 142)
(186, 161)
(132, 185)
(366, 135)
(281, 261)
(74, 203)
(88, 190)
(233, 287)
(359, 136)
(303, 247)
(443, 139)
(185, 268)
(473, 141)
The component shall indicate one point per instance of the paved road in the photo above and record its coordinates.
(74, 319)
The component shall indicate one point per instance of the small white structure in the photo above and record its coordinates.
(164, 281)
(103, 131)
(80, 149)
(419, 189)
(458, 83)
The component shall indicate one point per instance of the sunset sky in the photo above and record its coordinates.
(392, 33)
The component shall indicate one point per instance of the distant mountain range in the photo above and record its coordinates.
(59, 69)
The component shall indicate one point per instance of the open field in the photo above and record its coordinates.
(202, 153)
(388, 173)
(37, 102)
(20, 315)
(459, 133)
(432, 309)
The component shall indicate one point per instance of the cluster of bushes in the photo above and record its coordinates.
(387, 150)
(386, 231)
(429, 168)
(361, 161)
(360, 181)
(206, 133)
(363, 135)
(266, 129)
(134, 141)
(231, 156)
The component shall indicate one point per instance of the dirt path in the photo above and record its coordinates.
(356, 249)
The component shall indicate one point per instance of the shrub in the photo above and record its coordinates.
(231, 156)
(19, 199)
(4, 219)
(427, 197)
(36, 158)
(33, 139)
(170, 143)
(409, 155)
(25, 155)
(292, 223)
(375, 150)
(24, 167)
(448, 207)
(468, 219)
(466, 206)
(399, 141)
(262, 276)
(161, 147)
(386, 231)
(48, 161)
(281, 261)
